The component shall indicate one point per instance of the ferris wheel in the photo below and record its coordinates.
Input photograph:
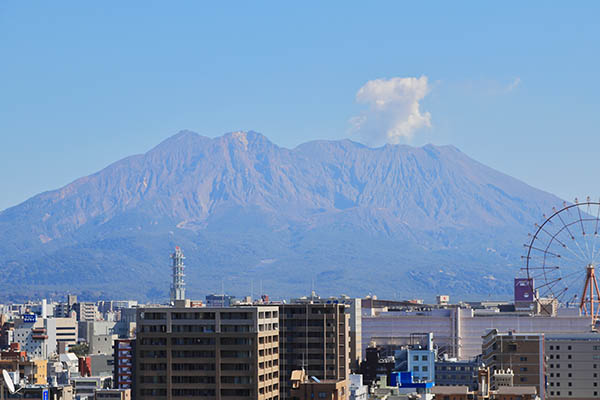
(562, 256)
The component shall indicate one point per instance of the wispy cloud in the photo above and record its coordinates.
(514, 84)
(393, 111)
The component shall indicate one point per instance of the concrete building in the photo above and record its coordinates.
(85, 387)
(62, 392)
(418, 358)
(41, 338)
(313, 337)
(87, 329)
(523, 353)
(454, 372)
(458, 330)
(215, 352)
(219, 300)
(33, 371)
(358, 390)
(86, 311)
(304, 387)
(102, 344)
(102, 364)
(573, 365)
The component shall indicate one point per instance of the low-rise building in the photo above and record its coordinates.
(358, 391)
(112, 394)
(304, 387)
(454, 372)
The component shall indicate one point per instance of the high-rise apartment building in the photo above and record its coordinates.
(216, 353)
(124, 355)
(313, 337)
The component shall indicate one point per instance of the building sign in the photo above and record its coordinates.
(29, 318)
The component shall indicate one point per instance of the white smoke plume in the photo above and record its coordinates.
(393, 111)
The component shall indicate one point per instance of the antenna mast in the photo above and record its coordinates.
(178, 285)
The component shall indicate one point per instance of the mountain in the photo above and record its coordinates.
(250, 216)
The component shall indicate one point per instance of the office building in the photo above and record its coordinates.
(573, 365)
(218, 353)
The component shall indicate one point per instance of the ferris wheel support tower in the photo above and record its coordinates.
(591, 296)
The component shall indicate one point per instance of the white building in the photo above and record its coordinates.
(458, 331)
(41, 337)
(358, 391)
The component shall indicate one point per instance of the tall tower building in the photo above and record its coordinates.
(178, 285)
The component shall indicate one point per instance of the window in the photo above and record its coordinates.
(424, 358)
(424, 368)
(416, 368)
(415, 358)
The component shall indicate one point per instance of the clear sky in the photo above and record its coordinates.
(512, 84)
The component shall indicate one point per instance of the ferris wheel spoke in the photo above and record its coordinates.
(578, 255)
(580, 221)
(597, 218)
(569, 231)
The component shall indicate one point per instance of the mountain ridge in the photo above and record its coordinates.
(237, 199)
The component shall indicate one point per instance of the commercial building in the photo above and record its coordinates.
(313, 336)
(220, 353)
(523, 353)
(42, 337)
(458, 330)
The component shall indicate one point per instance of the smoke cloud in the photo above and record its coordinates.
(393, 111)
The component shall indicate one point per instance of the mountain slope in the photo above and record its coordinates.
(394, 220)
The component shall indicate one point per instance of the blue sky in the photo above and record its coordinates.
(83, 84)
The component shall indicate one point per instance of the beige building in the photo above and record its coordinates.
(573, 366)
(314, 337)
(217, 353)
(305, 388)
(523, 353)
